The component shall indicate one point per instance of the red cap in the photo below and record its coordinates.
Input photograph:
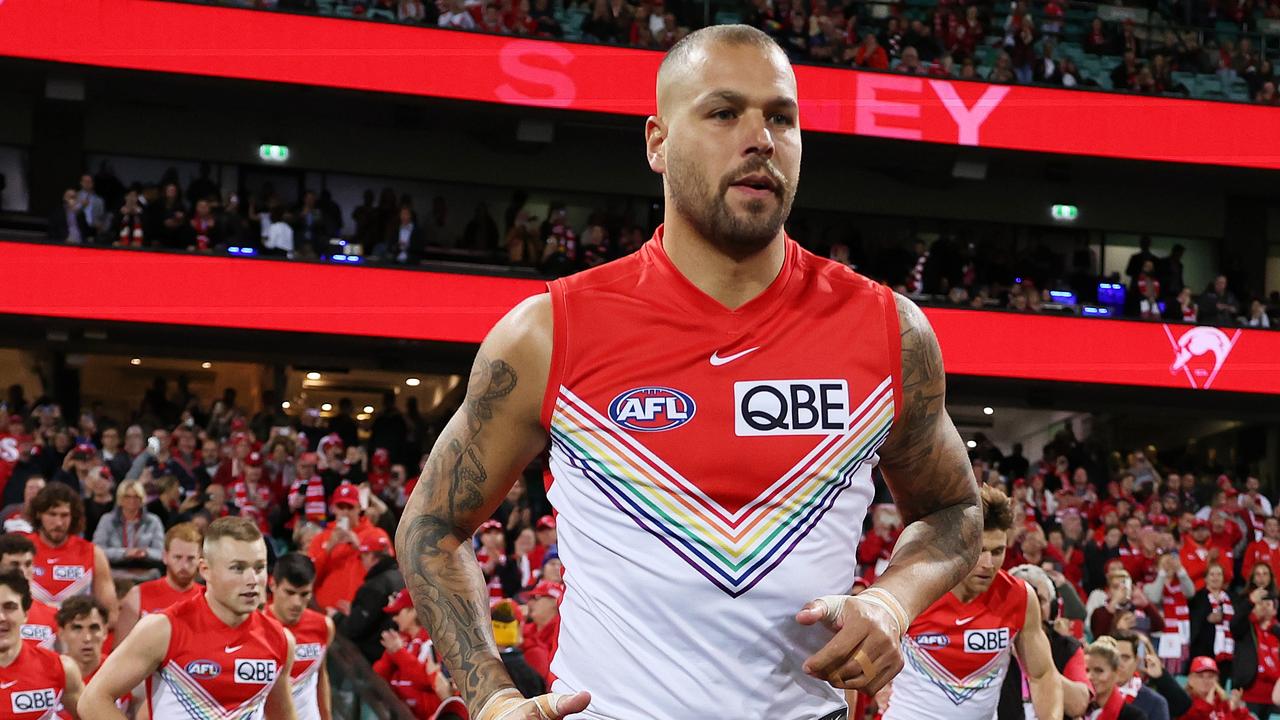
(398, 603)
(1159, 520)
(1204, 664)
(85, 449)
(15, 420)
(381, 458)
(546, 588)
(346, 493)
(105, 472)
(308, 458)
(546, 522)
(376, 543)
(327, 440)
(489, 526)
(1199, 523)
(1020, 482)
(239, 437)
(253, 459)
(237, 424)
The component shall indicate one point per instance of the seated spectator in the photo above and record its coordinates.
(1218, 305)
(168, 216)
(455, 16)
(1068, 74)
(100, 498)
(201, 232)
(541, 633)
(408, 664)
(68, 223)
(1002, 71)
(1257, 317)
(13, 518)
(128, 225)
(507, 619)
(1096, 41)
(870, 55)
(168, 500)
(1102, 659)
(1212, 613)
(1208, 700)
(910, 63)
(279, 237)
(1125, 75)
(131, 537)
(1130, 685)
(366, 621)
(1046, 69)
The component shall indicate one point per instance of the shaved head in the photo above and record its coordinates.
(726, 138)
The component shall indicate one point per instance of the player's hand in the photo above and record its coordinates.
(552, 706)
(865, 652)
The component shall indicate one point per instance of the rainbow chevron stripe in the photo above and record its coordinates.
(199, 704)
(957, 690)
(733, 550)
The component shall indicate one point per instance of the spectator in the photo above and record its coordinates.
(167, 218)
(456, 17)
(870, 55)
(1148, 291)
(168, 500)
(409, 243)
(910, 63)
(1212, 614)
(1002, 72)
(1125, 77)
(1097, 42)
(1197, 552)
(15, 516)
(202, 232)
(1257, 651)
(409, 663)
(95, 211)
(1187, 308)
(1257, 317)
(1103, 663)
(336, 551)
(1130, 684)
(279, 237)
(129, 224)
(131, 537)
(542, 632)
(366, 621)
(507, 619)
(203, 187)
(1218, 305)
(1069, 75)
(1208, 700)
(1023, 54)
(68, 224)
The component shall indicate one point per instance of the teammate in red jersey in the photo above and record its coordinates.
(958, 650)
(181, 559)
(17, 552)
(66, 564)
(82, 631)
(213, 655)
(33, 680)
(292, 586)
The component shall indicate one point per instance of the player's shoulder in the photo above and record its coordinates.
(839, 277)
(618, 275)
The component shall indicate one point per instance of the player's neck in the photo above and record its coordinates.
(228, 616)
(964, 594)
(729, 280)
(50, 543)
(280, 616)
(89, 668)
(9, 654)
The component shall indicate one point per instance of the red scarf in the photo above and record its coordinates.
(1224, 650)
(312, 490)
(1110, 711)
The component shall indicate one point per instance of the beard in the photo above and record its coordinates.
(738, 233)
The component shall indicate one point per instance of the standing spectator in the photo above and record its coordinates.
(366, 621)
(1265, 549)
(1197, 552)
(68, 223)
(279, 237)
(168, 218)
(1212, 614)
(390, 430)
(311, 236)
(203, 187)
(201, 232)
(1023, 54)
(95, 210)
(1257, 654)
(892, 38)
(409, 242)
(131, 537)
(1096, 41)
(1218, 305)
(336, 551)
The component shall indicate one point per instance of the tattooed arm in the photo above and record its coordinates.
(476, 460)
(927, 469)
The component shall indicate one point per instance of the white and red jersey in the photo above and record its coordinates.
(61, 572)
(213, 670)
(311, 639)
(956, 654)
(721, 460)
(31, 686)
(41, 626)
(156, 595)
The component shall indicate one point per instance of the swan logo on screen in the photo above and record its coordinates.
(652, 409)
(1200, 353)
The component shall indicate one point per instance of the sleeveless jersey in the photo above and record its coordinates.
(212, 669)
(311, 639)
(61, 572)
(711, 469)
(156, 595)
(956, 654)
(41, 626)
(32, 685)
(122, 703)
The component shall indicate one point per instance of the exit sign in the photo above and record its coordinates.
(1064, 212)
(273, 153)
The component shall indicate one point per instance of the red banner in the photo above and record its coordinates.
(386, 57)
(131, 286)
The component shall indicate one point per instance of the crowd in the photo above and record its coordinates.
(943, 40)
(390, 230)
(1167, 567)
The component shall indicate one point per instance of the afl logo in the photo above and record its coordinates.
(203, 669)
(933, 640)
(652, 409)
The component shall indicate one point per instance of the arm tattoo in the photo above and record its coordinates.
(434, 542)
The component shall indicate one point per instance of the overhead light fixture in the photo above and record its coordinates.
(268, 152)
(285, 405)
(136, 361)
(368, 408)
(363, 416)
(206, 365)
(313, 376)
(413, 382)
(1064, 213)
(988, 411)
(326, 407)
(971, 444)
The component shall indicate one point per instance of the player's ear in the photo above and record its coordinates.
(655, 143)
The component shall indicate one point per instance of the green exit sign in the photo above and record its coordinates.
(273, 153)
(1064, 212)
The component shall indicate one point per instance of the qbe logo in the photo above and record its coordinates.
(986, 641)
(255, 672)
(933, 640)
(204, 669)
(790, 407)
(68, 573)
(37, 633)
(652, 409)
(33, 700)
(308, 651)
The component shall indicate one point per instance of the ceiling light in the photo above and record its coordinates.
(285, 405)
(313, 376)
(363, 416)
(368, 408)
(413, 382)
(326, 407)
(988, 411)
(971, 444)
(136, 361)
(206, 365)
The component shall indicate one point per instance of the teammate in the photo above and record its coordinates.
(181, 558)
(715, 402)
(82, 630)
(17, 552)
(292, 585)
(958, 650)
(66, 564)
(33, 680)
(212, 655)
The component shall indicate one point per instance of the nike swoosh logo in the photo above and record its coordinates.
(231, 648)
(51, 561)
(7, 685)
(965, 621)
(717, 361)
